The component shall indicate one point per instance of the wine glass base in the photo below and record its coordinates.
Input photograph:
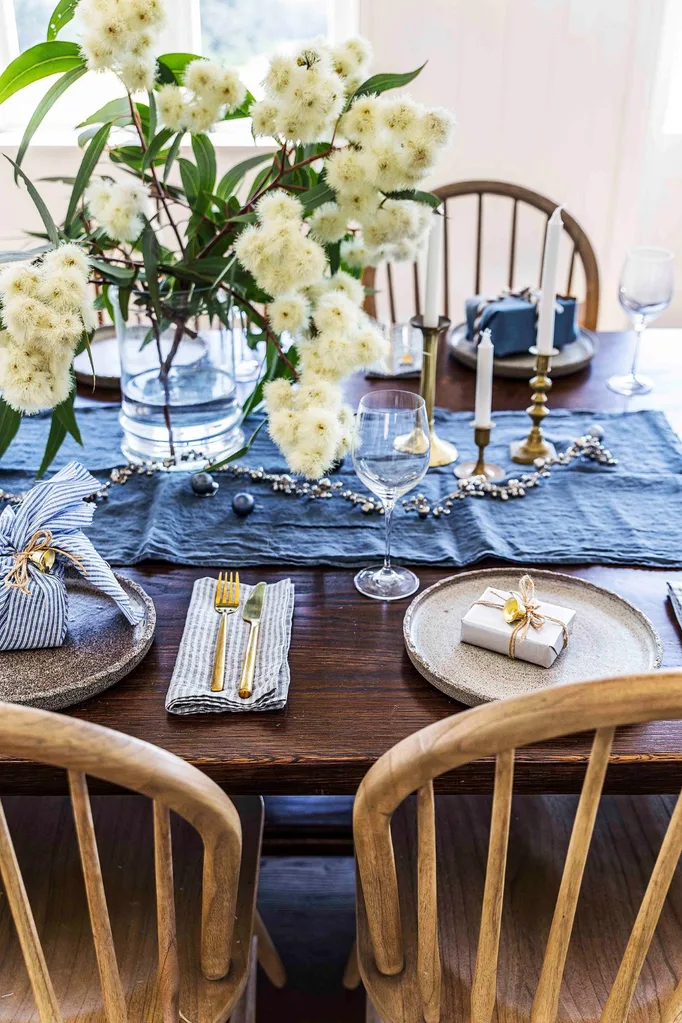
(381, 583)
(629, 384)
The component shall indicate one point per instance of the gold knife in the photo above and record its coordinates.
(251, 613)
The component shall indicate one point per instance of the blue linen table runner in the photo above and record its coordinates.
(586, 513)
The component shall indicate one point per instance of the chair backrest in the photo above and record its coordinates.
(580, 248)
(86, 749)
(496, 729)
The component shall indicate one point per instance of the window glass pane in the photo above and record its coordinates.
(243, 33)
(32, 20)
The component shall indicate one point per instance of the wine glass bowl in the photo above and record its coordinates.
(390, 467)
(645, 291)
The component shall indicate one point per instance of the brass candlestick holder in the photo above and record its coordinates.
(535, 446)
(442, 452)
(481, 468)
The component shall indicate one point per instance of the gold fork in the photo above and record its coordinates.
(226, 602)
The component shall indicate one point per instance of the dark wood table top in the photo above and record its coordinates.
(354, 693)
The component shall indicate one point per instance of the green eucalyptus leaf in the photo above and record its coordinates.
(86, 135)
(10, 421)
(39, 61)
(317, 195)
(242, 451)
(115, 110)
(61, 16)
(260, 179)
(55, 439)
(155, 147)
(46, 103)
(171, 66)
(172, 155)
(88, 163)
(45, 216)
(204, 154)
(151, 125)
(190, 180)
(380, 83)
(232, 178)
(242, 111)
(121, 275)
(334, 256)
(67, 417)
(24, 254)
(150, 256)
(428, 198)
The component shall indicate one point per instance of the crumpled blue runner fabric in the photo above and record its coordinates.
(39, 618)
(628, 514)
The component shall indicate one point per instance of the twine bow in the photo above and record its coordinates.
(532, 295)
(521, 609)
(40, 542)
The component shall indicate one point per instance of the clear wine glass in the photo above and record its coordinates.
(645, 291)
(389, 467)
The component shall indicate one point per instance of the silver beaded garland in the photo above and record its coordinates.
(589, 447)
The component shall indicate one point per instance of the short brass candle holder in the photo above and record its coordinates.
(481, 468)
(442, 452)
(524, 452)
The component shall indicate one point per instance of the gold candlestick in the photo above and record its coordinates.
(481, 468)
(535, 446)
(442, 452)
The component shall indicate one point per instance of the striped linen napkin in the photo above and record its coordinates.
(190, 688)
(675, 594)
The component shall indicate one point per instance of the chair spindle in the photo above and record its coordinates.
(546, 1001)
(484, 988)
(428, 952)
(569, 283)
(391, 294)
(113, 998)
(479, 241)
(32, 951)
(620, 996)
(512, 245)
(169, 970)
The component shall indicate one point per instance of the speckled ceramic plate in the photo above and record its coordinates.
(100, 648)
(610, 637)
(571, 359)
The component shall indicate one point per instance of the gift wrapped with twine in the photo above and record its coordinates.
(39, 541)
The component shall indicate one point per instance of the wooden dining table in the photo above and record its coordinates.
(354, 692)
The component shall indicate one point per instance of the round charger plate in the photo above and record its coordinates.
(101, 647)
(609, 637)
(571, 359)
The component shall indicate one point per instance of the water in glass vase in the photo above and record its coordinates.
(179, 406)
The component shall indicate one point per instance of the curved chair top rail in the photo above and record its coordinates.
(83, 748)
(582, 246)
(495, 729)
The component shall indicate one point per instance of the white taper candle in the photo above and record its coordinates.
(434, 263)
(484, 381)
(545, 335)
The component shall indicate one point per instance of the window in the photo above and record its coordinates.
(243, 33)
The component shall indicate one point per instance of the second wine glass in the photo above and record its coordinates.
(390, 468)
(645, 291)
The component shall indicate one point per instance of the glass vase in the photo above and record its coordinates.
(178, 393)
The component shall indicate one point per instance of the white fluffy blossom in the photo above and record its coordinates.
(349, 286)
(329, 223)
(46, 308)
(209, 91)
(363, 120)
(279, 204)
(118, 207)
(336, 312)
(121, 35)
(352, 59)
(264, 118)
(289, 312)
(170, 103)
(280, 257)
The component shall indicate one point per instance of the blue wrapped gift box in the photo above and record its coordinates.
(513, 320)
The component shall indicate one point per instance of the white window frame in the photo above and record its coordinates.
(182, 33)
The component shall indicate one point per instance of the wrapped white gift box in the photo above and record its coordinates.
(486, 627)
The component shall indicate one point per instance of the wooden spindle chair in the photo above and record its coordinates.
(581, 249)
(424, 885)
(155, 921)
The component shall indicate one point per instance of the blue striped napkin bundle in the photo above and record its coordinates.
(47, 530)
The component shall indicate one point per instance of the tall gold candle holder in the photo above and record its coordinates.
(535, 446)
(442, 452)
(480, 467)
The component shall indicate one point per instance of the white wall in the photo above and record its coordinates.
(559, 95)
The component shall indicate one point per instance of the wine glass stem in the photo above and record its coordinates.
(640, 325)
(389, 505)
